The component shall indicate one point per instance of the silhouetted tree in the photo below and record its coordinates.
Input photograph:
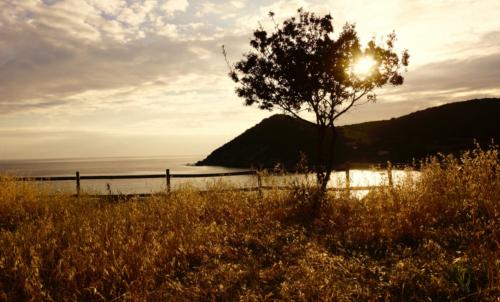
(301, 66)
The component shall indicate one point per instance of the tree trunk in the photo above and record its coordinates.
(330, 155)
(320, 165)
(327, 137)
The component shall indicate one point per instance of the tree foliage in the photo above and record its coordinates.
(302, 66)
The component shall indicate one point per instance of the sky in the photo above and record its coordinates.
(90, 78)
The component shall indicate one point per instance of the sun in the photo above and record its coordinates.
(363, 67)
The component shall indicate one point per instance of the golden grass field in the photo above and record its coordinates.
(435, 238)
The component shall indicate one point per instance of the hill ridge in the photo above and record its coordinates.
(448, 128)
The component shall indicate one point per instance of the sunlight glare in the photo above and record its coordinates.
(363, 67)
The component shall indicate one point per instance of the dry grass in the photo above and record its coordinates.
(434, 237)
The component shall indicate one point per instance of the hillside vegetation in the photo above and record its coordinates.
(450, 128)
(435, 238)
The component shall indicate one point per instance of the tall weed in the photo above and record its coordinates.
(431, 237)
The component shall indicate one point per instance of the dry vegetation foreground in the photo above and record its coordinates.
(435, 237)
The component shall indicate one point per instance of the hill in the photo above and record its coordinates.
(448, 128)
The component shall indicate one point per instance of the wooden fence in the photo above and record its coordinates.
(168, 176)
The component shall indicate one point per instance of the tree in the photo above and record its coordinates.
(301, 67)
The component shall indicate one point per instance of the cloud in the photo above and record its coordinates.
(435, 84)
(32, 143)
(223, 9)
(60, 51)
(129, 67)
(171, 6)
(452, 79)
(470, 74)
(60, 55)
(45, 71)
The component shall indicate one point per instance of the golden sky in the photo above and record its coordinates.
(83, 78)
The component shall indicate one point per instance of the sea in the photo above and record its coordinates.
(158, 165)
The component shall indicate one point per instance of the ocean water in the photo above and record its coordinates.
(106, 165)
(158, 165)
(118, 166)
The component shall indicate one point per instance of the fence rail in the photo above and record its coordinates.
(168, 176)
(135, 176)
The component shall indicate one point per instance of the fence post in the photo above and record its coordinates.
(167, 175)
(259, 183)
(389, 173)
(347, 179)
(77, 183)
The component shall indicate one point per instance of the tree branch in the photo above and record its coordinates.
(354, 100)
(291, 112)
